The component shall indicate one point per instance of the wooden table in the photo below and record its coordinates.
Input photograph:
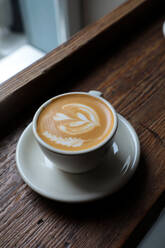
(132, 77)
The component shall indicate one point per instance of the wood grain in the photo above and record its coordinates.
(132, 78)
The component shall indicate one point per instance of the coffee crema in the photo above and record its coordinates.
(75, 122)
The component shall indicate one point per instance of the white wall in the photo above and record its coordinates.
(95, 9)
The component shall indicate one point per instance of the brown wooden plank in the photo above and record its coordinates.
(133, 80)
(50, 74)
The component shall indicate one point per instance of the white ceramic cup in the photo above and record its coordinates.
(76, 161)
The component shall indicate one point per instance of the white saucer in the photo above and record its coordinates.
(44, 178)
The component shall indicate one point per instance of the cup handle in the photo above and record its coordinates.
(164, 29)
(95, 93)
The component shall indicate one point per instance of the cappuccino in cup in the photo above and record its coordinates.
(75, 122)
(75, 130)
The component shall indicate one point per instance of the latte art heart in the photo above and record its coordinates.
(75, 122)
(83, 122)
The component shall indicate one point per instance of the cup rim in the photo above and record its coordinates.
(63, 152)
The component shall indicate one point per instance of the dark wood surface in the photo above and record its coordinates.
(132, 78)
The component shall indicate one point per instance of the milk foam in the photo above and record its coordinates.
(81, 123)
(74, 126)
(75, 122)
(69, 141)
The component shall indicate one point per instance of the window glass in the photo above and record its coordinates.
(31, 28)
